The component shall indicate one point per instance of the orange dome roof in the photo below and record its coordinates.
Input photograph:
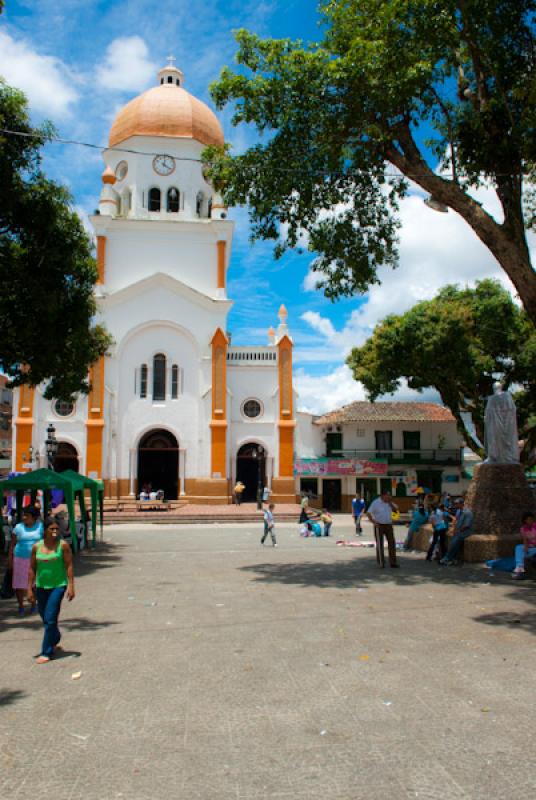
(167, 110)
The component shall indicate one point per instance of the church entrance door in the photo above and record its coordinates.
(251, 469)
(66, 458)
(158, 463)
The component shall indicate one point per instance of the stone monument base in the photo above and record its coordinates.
(498, 495)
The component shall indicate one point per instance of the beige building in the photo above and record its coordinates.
(366, 447)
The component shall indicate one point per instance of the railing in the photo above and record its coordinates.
(247, 355)
(438, 456)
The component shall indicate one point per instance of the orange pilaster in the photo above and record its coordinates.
(221, 264)
(287, 422)
(101, 258)
(24, 427)
(95, 420)
(218, 424)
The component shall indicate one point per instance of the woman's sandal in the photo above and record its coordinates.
(42, 660)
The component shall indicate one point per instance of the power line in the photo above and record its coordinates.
(102, 148)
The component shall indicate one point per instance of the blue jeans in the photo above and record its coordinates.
(49, 604)
(327, 528)
(520, 555)
(267, 531)
(456, 545)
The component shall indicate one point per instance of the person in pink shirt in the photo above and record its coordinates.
(528, 548)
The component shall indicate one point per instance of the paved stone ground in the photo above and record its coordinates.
(215, 669)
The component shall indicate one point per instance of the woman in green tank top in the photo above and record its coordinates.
(51, 569)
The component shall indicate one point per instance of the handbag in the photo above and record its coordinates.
(6, 590)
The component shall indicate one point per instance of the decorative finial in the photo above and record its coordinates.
(171, 61)
(282, 313)
(108, 176)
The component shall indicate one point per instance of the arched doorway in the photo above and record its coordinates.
(66, 458)
(158, 463)
(251, 469)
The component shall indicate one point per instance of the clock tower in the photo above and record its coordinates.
(174, 407)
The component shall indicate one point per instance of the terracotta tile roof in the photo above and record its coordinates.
(386, 412)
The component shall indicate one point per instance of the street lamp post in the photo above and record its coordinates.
(51, 446)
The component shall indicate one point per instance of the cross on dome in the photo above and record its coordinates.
(170, 74)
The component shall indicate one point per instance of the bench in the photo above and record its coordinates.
(151, 505)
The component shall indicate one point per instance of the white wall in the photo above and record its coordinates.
(70, 429)
(253, 382)
(309, 437)
(430, 433)
(136, 416)
(135, 250)
(161, 301)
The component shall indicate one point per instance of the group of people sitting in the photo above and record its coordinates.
(312, 522)
(147, 493)
(440, 516)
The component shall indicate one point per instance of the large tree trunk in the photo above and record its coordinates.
(506, 241)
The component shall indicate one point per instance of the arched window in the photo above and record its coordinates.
(173, 199)
(174, 382)
(154, 199)
(143, 380)
(159, 377)
(199, 204)
(209, 208)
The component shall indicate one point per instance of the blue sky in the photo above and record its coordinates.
(79, 61)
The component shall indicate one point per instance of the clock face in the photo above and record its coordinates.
(163, 165)
(121, 170)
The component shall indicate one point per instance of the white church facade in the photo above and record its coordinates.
(173, 404)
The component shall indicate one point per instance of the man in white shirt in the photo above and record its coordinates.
(380, 513)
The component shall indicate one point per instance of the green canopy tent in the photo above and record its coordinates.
(96, 490)
(46, 480)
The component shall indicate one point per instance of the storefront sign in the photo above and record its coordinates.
(338, 466)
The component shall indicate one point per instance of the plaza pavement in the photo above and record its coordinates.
(216, 669)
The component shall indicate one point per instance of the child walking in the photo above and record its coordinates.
(269, 525)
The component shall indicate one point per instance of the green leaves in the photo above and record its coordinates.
(47, 272)
(459, 343)
(336, 117)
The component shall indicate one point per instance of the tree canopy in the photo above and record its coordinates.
(440, 92)
(47, 271)
(460, 343)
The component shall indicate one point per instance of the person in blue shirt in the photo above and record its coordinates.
(24, 536)
(358, 507)
(418, 519)
(440, 521)
(464, 529)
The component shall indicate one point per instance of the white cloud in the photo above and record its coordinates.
(310, 282)
(319, 323)
(320, 393)
(126, 65)
(435, 250)
(45, 80)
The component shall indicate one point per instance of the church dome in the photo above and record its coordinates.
(167, 110)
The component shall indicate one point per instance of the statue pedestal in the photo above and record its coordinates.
(498, 496)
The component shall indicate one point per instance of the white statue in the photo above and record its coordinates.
(500, 429)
